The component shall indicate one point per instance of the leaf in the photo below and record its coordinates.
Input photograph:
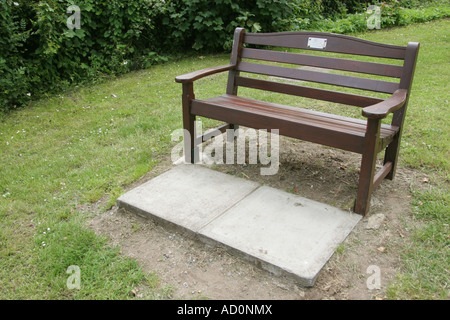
(80, 33)
(69, 33)
(256, 27)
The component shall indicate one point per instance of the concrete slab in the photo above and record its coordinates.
(285, 232)
(282, 232)
(188, 196)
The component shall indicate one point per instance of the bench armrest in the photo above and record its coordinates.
(382, 109)
(190, 77)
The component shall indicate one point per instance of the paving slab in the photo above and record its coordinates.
(282, 232)
(285, 232)
(188, 196)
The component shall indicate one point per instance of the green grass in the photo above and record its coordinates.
(425, 146)
(70, 150)
(427, 258)
(66, 151)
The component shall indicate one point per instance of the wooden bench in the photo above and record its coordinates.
(366, 137)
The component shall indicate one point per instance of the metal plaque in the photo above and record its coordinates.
(317, 43)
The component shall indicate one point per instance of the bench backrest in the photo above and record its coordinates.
(262, 58)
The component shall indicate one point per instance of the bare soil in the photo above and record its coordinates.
(191, 270)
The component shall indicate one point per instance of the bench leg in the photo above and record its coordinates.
(232, 132)
(366, 176)
(191, 152)
(364, 194)
(391, 155)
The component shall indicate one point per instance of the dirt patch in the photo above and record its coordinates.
(193, 270)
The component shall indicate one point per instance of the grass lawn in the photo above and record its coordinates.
(67, 151)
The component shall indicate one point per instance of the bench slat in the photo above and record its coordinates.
(287, 127)
(320, 77)
(380, 69)
(334, 131)
(347, 124)
(335, 43)
(308, 92)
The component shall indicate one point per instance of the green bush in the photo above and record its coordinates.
(112, 34)
(201, 25)
(13, 83)
(40, 53)
(392, 14)
(338, 9)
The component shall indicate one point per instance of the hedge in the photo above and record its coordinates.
(41, 51)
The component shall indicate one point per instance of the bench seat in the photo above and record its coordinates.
(319, 127)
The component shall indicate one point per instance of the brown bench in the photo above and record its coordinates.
(366, 137)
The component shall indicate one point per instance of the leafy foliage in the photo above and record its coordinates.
(39, 52)
(200, 25)
(392, 14)
(13, 84)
